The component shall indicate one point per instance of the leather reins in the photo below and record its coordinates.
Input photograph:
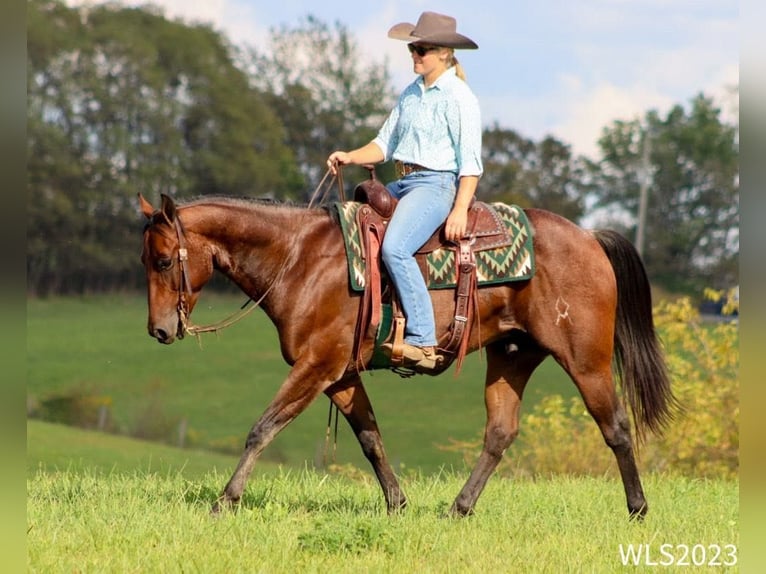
(184, 282)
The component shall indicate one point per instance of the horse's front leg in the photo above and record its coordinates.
(351, 398)
(306, 381)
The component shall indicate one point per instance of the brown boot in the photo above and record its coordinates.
(419, 358)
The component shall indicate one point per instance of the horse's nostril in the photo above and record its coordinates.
(161, 335)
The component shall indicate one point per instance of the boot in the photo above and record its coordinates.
(422, 359)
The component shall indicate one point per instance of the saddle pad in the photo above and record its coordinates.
(515, 262)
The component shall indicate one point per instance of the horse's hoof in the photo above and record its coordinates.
(637, 515)
(456, 512)
(397, 507)
(221, 505)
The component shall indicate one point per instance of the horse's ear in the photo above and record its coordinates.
(168, 207)
(146, 207)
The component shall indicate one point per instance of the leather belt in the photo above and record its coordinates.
(403, 169)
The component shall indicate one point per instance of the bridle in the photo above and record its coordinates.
(184, 283)
(185, 289)
(185, 292)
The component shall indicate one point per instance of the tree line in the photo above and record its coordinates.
(123, 100)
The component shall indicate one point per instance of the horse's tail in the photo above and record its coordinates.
(638, 359)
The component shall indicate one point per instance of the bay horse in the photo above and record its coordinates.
(588, 306)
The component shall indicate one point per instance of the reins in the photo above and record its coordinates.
(185, 288)
(341, 188)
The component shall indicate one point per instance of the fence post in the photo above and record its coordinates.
(182, 428)
(103, 413)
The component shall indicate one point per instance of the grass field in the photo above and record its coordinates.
(98, 345)
(101, 502)
(110, 504)
(91, 517)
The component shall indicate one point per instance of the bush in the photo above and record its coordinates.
(150, 419)
(704, 362)
(75, 407)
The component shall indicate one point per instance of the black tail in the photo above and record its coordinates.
(638, 358)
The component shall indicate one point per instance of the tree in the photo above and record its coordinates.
(521, 171)
(692, 214)
(324, 90)
(121, 100)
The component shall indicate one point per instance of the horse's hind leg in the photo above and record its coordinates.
(505, 381)
(600, 397)
(351, 399)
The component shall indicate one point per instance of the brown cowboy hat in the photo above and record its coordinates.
(432, 28)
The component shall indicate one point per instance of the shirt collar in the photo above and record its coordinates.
(444, 77)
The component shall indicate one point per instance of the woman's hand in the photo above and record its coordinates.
(455, 226)
(338, 158)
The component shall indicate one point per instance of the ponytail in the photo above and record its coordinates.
(459, 71)
(450, 60)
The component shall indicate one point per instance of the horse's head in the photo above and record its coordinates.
(176, 270)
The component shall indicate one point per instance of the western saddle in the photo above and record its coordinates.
(485, 230)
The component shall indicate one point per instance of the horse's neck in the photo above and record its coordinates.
(251, 243)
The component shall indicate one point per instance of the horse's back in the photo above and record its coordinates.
(566, 253)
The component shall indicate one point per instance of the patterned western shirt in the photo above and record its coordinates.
(437, 127)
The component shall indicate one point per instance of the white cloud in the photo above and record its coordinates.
(609, 59)
(208, 11)
(590, 111)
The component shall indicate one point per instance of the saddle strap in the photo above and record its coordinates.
(370, 305)
(397, 350)
(464, 295)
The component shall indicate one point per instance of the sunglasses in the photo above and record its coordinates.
(421, 50)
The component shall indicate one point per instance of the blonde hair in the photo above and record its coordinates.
(453, 63)
(459, 71)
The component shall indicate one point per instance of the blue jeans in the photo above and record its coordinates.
(425, 201)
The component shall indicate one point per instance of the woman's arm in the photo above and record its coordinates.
(369, 153)
(455, 227)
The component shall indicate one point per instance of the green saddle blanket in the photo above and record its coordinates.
(515, 262)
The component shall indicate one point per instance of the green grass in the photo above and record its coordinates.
(103, 503)
(99, 345)
(305, 521)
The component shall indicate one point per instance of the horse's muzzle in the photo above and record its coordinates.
(162, 336)
(165, 336)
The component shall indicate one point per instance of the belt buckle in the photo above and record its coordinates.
(403, 169)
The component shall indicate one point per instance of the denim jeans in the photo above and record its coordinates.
(425, 201)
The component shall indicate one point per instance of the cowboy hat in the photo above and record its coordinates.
(432, 28)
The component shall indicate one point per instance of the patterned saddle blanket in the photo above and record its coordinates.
(514, 261)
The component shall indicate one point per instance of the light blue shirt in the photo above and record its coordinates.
(438, 127)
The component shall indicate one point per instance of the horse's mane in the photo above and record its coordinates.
(248, 201)
(238, 200)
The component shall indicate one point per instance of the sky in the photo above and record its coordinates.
(564, 68)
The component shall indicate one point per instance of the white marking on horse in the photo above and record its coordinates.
(562, 308)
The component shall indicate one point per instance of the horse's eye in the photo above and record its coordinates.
(164, 264)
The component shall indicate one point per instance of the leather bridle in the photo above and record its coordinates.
(185, 289)
(184, 282)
